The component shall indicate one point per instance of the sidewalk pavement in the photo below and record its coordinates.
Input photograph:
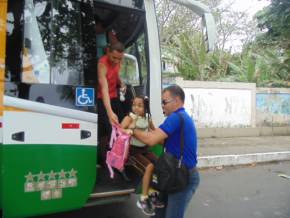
(215, 152)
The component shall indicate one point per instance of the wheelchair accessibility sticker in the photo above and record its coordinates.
(85, 96)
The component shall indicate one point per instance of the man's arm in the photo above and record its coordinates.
(103, 83)
(150, 138)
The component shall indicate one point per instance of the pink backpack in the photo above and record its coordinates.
(119, 144)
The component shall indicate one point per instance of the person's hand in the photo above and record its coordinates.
(123, 87)
(134, 117)
(113, 118)
(128, 131)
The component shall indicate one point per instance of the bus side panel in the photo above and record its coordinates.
(49, 166)
(3, 12)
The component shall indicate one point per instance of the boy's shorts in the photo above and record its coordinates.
(141, 157)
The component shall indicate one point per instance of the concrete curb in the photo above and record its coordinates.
(241, 159)
(243, 132)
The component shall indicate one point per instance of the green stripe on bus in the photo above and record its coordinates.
(41, 179)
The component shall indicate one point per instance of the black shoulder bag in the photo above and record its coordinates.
(170, 175)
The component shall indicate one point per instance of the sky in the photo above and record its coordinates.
(248, 6)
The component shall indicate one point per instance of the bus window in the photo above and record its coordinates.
(130, 70)
(54, 50)
(66, 52)
(142, 55)
(35, 65)
(130, 29)
(13, 41)
(134, 67)
(125, 3)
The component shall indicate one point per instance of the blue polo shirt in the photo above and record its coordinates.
(172, 127)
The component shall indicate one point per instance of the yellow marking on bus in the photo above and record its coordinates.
(3, 14)
(9, 108)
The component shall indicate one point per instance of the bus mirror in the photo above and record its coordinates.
(209, 31)
(209, 27)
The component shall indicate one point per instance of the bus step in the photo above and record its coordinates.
(112, 193)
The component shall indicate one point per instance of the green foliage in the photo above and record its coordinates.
(275, 20)
(265, 58)
(264, 67)
(219, 66)
(190, 56)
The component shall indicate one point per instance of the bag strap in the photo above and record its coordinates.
(113, 136)
(181, 139)
(116, 129)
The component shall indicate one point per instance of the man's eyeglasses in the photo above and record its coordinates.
(164, 102)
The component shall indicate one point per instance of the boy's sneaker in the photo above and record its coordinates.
(156, 201)
(146, 207)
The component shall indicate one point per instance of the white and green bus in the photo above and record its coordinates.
(48, 113)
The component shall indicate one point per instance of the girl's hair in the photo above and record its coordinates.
(146, 105)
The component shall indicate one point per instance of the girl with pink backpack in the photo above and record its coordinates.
(139, 156)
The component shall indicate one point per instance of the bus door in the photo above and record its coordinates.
(49, 119)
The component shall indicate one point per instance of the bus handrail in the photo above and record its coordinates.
(50, 109)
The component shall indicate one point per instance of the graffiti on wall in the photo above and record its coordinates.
(219, 107)
(273, 109)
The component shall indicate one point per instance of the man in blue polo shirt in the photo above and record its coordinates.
(169, 131)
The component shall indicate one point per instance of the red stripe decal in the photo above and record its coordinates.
(70, 125)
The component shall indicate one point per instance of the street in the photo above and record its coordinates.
(251, 191)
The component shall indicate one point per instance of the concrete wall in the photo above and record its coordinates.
(222, 109)
(272, 107)
(220, 104)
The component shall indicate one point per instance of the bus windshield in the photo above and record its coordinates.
(52, 45)
(60, 42)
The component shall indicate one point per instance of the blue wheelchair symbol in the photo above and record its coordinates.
(85, 97)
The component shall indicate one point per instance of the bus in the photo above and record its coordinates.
(48, 113)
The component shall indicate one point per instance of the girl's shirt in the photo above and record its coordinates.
(142, 124)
